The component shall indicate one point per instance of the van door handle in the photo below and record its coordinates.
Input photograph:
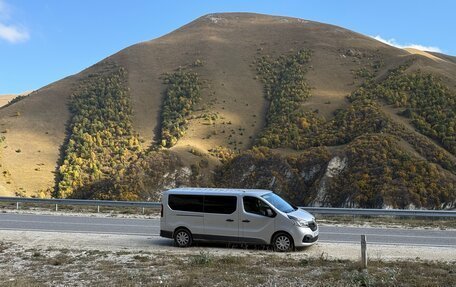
(245, 220)
(230, 220)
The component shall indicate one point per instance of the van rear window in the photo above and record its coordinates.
(220, 204)
(185, 202)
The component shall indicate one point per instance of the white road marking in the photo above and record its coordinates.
(384, 235)
(386, 243)
(75, 223)
(84, 232)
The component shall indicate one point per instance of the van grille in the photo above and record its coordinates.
(313, 226)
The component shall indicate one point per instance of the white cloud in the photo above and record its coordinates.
(394, 43)
(13, 34)
(10, 32)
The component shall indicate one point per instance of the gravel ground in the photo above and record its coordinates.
(155, 244)
(62, 259)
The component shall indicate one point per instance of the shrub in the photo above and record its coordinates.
(180, 98)
(101, 141)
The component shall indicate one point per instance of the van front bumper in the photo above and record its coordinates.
(304, 236)
(309, 239)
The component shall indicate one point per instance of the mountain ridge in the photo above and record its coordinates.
(223, 49)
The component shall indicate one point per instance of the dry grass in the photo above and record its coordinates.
(50, 267)
(5, 99)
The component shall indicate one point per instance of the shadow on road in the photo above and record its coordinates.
(170, 243)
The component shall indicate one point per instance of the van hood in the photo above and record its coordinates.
(302, 214)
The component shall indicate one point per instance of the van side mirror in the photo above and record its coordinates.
(270, 212)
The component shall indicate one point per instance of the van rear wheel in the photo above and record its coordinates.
(283, 242)
(183, 238)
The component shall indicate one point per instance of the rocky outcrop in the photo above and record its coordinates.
(335, 166)
(373, 171)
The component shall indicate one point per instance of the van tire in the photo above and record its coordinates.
(182, 237)
(282, 242)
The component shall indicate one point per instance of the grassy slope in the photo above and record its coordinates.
(227, 45)
(34, 125)
(4, 99)
(35, 132)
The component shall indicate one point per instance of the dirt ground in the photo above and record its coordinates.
(156, 244)
(64, 259)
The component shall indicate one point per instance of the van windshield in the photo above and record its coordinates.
(279, 202)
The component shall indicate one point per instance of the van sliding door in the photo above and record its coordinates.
(186, 210)
(221, 218)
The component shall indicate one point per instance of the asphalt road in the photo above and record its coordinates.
(151, 227)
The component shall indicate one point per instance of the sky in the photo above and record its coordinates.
(46, 40)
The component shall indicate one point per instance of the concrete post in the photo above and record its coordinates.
(363, 251)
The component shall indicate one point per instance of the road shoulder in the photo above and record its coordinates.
(156, 244)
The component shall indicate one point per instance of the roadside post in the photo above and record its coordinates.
(363, 252)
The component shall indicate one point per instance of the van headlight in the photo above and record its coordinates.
(298, 222)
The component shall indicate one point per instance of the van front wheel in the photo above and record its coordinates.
(283, 242)
(182, 238)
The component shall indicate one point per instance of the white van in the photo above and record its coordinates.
(250, 216)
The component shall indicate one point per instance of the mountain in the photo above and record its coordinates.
(10, 98)
(320, 114)
(5, 99)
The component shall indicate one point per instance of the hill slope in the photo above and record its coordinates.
(228, 112)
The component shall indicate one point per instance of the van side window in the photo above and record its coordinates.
(255, 205)
(184, 202)
(220, 204)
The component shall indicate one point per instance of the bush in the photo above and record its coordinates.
(181, 96)
(101, 141)
(285, 88)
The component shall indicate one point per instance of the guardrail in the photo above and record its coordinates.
(381, 212)
(97, 203)
(317, 210)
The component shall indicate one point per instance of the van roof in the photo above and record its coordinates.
(219, 191)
